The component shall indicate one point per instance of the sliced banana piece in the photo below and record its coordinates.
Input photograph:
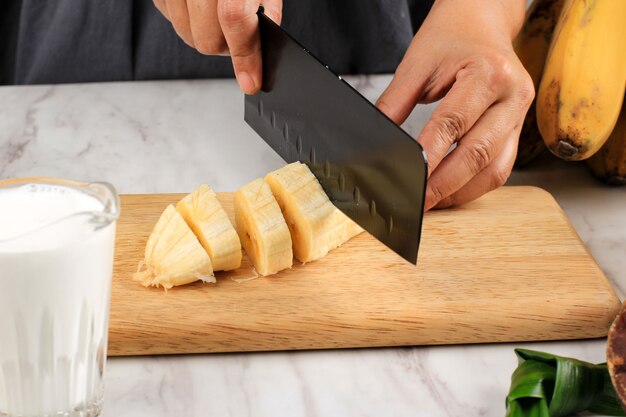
(262, 228)
(207, 219)
(316, 225)
(173, 255)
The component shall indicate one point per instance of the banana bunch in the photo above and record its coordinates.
(531, 46)
(609, 163)
(575, 51)
(286, 214)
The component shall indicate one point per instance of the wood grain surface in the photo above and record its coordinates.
(507, 267)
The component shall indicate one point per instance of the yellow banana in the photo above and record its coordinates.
(531, 46)
(582, 88)
(609, 163)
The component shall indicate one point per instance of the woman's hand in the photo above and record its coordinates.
(463, 53)
(224, 27)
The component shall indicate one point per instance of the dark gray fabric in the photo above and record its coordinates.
(9, 19)
(58, 41)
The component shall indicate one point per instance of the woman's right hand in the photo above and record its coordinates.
(224, 27)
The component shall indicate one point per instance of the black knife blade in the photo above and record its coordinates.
(371, 169)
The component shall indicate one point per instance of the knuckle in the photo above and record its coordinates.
(446, 202)
(526, 90)
(496, 69)
(182, 28)
(245, 54)
(451, 125)
(480, 155)
(499, 176)
(502, 70)
(232, 12)
(438, 191)
(211, 46)
(178, 20)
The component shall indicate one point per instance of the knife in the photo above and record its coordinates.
(369, 167)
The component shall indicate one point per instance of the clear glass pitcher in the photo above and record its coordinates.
(56, 260)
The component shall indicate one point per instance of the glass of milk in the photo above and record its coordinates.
(56, 261)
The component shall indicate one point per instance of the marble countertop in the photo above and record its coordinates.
(149, 137)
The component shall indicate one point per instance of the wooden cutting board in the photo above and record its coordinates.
(507, 267)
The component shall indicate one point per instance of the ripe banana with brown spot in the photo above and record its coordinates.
(582, 88)
(609, 163)
(531, 46)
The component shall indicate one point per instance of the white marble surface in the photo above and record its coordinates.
(171, 136)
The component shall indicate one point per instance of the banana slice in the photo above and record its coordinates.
(173, 255)
(209, 222)
(316, 225)
(262, 228)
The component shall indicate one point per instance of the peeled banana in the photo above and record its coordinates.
(209, 222)
(609, 163)
(173, 255)
(316, 225)
(582, 88)
(531, 46)
(262, 228)
(196, 238)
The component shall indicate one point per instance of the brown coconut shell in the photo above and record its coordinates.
(616, 355)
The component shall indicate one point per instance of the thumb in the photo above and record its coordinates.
(240, 26)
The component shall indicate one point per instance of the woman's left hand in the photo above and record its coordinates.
(463, 53)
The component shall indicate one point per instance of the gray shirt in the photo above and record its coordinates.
(58, 41)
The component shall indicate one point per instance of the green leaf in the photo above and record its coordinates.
(546, 385)
(528, 407)
(606, 402)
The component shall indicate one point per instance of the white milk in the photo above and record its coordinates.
(55, 276)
